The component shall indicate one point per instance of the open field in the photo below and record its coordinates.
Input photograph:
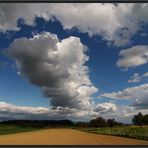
(10, 129)
(125, 131)
(65, 137)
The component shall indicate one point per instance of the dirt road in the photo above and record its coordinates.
(64, 137)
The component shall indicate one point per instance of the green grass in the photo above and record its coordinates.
(10, 129)
(125, 131)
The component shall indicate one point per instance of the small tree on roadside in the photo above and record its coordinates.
(138, 120)
(98, 122)
(111, 122)
(145, 119)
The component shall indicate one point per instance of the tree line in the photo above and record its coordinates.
(98, 122)
(138, 119)
(39, 123)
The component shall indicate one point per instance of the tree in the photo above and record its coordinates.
(138, 120)
(111, 122)
(98, 122)
(145, 119)
(82, 124)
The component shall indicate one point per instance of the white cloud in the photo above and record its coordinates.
(114, 23)
(10, 111)
(125, 113)
(14, 109)
(135, 78)
(132, 57)
(128, 93)
(145, 74)
(57, 67)
(122, 113)
(137, 94)
(104, 17)
(105, 108)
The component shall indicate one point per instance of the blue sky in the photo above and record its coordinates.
(104, 73)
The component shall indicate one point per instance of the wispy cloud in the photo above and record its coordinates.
(137, 77)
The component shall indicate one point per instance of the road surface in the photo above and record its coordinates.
(65, 137)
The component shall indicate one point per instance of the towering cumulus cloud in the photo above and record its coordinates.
(57, 67)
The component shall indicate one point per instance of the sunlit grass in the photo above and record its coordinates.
(125, 131)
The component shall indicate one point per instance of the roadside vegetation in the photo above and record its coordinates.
(123, 131)
(138, 130)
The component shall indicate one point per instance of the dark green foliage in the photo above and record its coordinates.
(111, 122)
(145, 119)
(98, 122)
(39, 123)
(101, 122)
(138, 119)
(82, 124)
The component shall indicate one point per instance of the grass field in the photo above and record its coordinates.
(125, 131)
(10, 129)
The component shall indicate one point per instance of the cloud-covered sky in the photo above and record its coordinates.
(73, 64)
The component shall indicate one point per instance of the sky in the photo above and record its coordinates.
(73, 61)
